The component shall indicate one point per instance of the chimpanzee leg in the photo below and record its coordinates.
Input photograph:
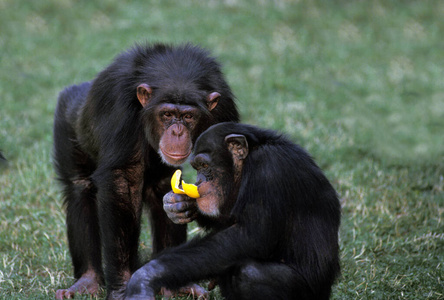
(83, 229)
(119, 199)
(83, 236)
(83, 239)
(73, 168)
(255, 280)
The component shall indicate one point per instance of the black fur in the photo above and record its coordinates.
(105, 154)
(279, 240)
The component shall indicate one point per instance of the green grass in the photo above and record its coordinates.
(358, 83)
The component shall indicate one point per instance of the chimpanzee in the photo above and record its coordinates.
(116, 140)
(272, 216)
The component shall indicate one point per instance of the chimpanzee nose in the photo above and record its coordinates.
(177, 130)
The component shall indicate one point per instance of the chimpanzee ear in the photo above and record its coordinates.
(212, 100)
(237, 145)
(144, 92)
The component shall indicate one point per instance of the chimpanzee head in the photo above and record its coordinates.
(218, 157)
(175, 119)
(183, 92)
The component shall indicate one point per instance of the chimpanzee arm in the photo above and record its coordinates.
(197, 260)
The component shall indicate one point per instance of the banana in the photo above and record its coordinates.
(187, 188)
(190, 189)
(175, 182)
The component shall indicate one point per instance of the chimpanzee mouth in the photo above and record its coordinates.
(177, 156)
(174, 158)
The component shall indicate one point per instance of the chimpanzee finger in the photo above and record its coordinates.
(180, 206)
(176, 198)
(182, 218)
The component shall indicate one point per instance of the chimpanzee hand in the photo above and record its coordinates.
(139, 285)
(181, 209)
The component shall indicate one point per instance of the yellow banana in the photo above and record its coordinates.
(187, 188)
(175, 182)
(190, 189)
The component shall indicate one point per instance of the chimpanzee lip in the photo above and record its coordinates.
(175, 155)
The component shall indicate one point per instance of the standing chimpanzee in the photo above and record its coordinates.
(273, 219)
(115, 142)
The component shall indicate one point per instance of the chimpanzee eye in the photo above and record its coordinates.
(199, 166)
(200, 162)
(167, 114)
(188, 117)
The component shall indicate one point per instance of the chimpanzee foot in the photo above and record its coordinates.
(87, 284)
(194, 290)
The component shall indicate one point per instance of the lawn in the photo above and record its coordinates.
(359, 84)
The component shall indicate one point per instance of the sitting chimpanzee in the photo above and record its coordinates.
(272, 216)
(116, 140)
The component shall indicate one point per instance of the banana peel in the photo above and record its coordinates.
(188, 189)
(175, 182)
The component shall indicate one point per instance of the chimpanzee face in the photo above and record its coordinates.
(172, 126)
(176, 125)
(210, 181)
(219, 166)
